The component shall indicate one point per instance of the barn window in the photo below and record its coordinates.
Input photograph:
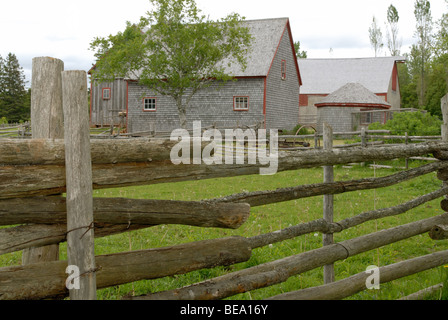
(241, 103)
(283, 69)
(106, 93)
(149, 104)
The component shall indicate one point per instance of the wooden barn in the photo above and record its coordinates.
(322, 77)
(265, 93)
(339, 108)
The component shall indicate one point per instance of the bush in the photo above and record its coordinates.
(414, 123)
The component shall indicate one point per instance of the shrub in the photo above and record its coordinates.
(414, 123)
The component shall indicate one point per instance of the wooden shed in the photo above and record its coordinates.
(338, 108)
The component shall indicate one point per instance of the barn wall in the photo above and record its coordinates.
(211, 106)
(282, 96)
(104, 112)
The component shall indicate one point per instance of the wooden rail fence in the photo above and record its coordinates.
(34, 173)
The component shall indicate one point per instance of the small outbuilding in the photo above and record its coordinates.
(342, 108)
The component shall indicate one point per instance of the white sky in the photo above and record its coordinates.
(64, 29)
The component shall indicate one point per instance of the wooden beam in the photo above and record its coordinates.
(47, 119)
(329, 275)
(280, 270)
(439, 232)
(80, 224)
(357, 283)
(259, 198)
(52, 210)
(21, 152)
(34, 180)
(41, 281)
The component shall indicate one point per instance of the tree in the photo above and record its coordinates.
(422, 12)
(300, 54)
(393, 43)
(175, 51)
(376, 37)
(14, 100)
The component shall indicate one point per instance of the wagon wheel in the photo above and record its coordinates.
(302, 127)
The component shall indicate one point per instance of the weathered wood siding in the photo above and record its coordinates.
(282, 96)
(105, 111)
(211, 106)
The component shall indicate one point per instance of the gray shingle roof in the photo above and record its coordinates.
(266, 34)
(323, 76)
(354, 94)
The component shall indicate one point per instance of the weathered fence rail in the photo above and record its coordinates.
(34, 173)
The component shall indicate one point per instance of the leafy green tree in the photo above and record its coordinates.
(14, 99)
(422, 12)
(393, 42)
(301, 54)
(376, 37)
(175, 51)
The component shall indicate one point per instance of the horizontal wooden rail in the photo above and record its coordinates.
(259, 198)
(35, 180)
(47, 216)
(37, 235)
(357, 283)
(325, 227)
(52, 152)
(278, 271)
(46, 280)
(52, 210)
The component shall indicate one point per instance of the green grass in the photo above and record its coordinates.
(274, 217)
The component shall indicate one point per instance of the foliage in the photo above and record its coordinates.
(300, 54)
(393, 43)
(414, 123)
(15, 100)
(174, 50)
(376, 37)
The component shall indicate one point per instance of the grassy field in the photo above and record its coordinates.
(281, 215)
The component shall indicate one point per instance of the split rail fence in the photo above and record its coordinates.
(35, 172)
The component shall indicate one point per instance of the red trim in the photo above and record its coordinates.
(264, 100)
(395, 77)
(110, 93)
(303, 100)
(149, 110)
(352, 105)
(288, 25)
(234, 102)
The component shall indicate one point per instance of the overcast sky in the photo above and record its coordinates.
(64, 29)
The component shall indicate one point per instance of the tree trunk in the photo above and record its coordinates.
(182, 110)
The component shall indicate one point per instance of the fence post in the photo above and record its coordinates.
(47, 121)
(80, 235)
(406, 141)
(444, 103)
(329, 275)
